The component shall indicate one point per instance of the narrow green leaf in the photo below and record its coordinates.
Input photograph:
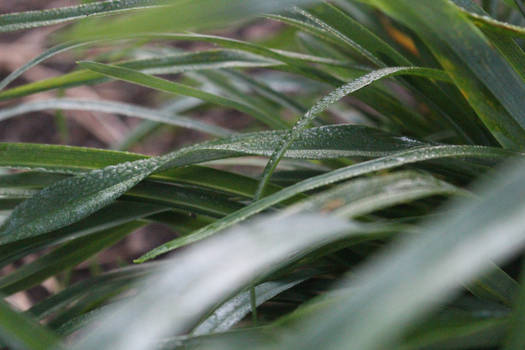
(346, 28)
(486, 79)
(235, 309)
(253, 255)
(166, 64)
(410, 280)
(164, 85)
(506, 45)
(363, 196)
(397, 159)
(65, 257)
(515, 338)
(332, 98)
(116, 214)
(75, 160)
(454, 330)
(22, 332)
(113, 107)
(496, 285)
(72, 199)
(39, 59)
(182, 15)
(76, 291)
(31, 19)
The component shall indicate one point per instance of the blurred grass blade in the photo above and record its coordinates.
(334, 20)
(79, 289)
(21, 332)
(164, 85)
(235, 309)
(410, 280)
(182, 15)
(64, 257)
(166, 64)
(515, 337)
(418, 154)
(496, 285)
(267, 91)
(152, 313)
(24, 20)
(39, 59)
(520, 6)
(455, 330)
(113, 107)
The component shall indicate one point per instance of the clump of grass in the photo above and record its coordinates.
(396, 222)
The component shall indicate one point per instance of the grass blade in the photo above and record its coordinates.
(72, 199)
(64, 257)
(486, 79)
(182, 15)
(398, 159)
(166, 64)
(235, 309)
(24, 20)
(363, 196)
(21, 332)
(113, 107)
(253, 255)
(332, 98)
(409, 280)
(180, 89)
(515, 338)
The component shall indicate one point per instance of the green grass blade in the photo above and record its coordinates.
(118, 213)
(196, 201)
(164, 85)
(332, 98)
(335, 20)
(235, 309)
(363, 196)
(268, 92)
(506, 45)
(75, 160)
(192, 200)
(39, 59)
(67, 256)
(182, 15)
(316, 143)
(515, 338)
(496, 285)
(253, 255)
(398, 159)
(113, 107)
(72, 199)
(458, 331)
(486, 79)
(223, 84)
(410, 279)
(78, 290)
(167, 64)
(24, 20)
(22, 332)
